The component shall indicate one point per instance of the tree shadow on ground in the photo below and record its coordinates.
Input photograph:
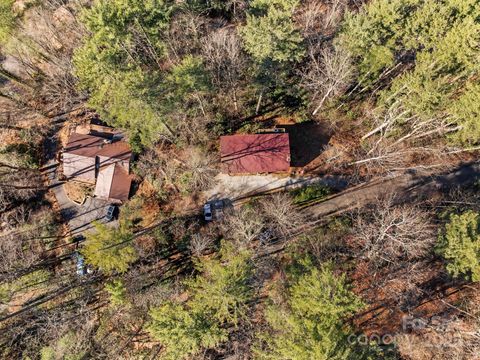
(307, 142)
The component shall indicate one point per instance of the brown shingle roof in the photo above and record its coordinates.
(91, 146)
(257, 153)
(113, 183)
(121, 183)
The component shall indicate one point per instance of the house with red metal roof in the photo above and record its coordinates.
(255, 153)
(100, 161)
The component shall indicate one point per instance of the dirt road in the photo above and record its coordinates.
(407, 186)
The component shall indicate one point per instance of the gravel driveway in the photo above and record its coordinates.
(93, 209)
(79, 218)
(235, 188)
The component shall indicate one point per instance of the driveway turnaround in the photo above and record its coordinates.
(79, 218)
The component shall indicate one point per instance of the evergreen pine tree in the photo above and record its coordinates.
(460, 245)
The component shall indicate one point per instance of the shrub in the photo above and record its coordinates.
(310, 192)
(117, 291)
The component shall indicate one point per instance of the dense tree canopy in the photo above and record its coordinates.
(117, 292)
(7, 19)
(310, 325)
(436, 42)
(110, 249)
(460, 245)
(184, 331)
(270, 33)
(224, 6)
(218, 298)
(223, 288)
(118, 63)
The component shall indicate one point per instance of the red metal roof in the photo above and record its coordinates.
(257, 153)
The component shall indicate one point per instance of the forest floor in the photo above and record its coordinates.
(396, 303)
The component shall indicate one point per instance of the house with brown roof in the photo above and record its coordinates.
(255, 153)
(100, 161)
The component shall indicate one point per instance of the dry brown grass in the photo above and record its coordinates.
(77, 191)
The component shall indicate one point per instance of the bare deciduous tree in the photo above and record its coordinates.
(381, 156)
(18, 185)
(392, 232)
(42, 53)
(244, 225)
(334, 13)
(318, 18)
(24, 233)
(162, 168)
(405, 126)
(226, 61)
(192, 129)
(328, 74)
(185, 32)
(16, 253)
(199, 243)
(310, 19)
(201, 168)
(281, 215)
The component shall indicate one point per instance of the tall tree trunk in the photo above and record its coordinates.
(327, 94)
(14, 78)
(257, 110)
(235, 101)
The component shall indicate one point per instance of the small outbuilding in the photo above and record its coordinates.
(255, 153)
